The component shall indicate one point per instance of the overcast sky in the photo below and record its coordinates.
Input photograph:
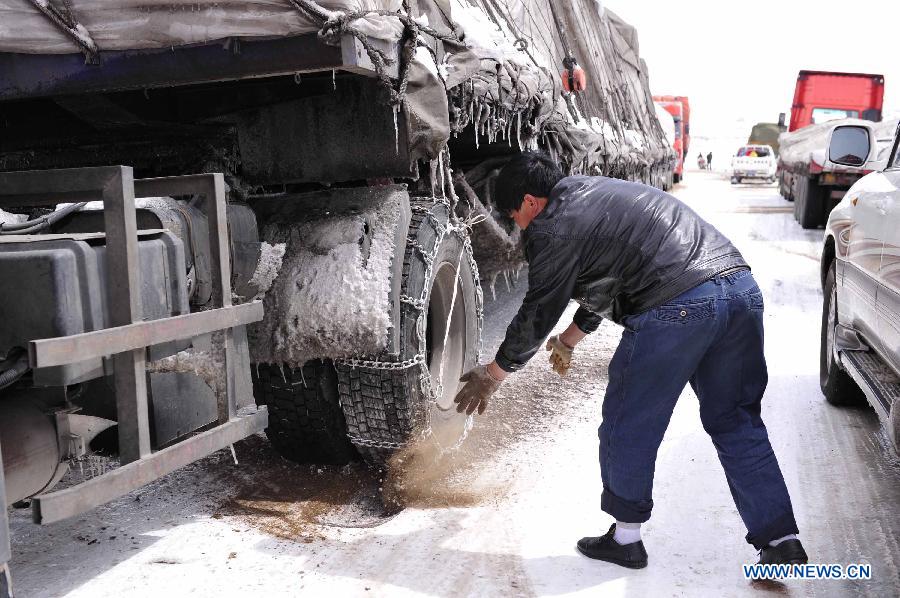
(738, 61)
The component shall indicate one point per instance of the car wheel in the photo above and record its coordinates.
(837, 386)
(734, 180)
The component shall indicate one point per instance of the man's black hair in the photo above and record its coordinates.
(531, 173)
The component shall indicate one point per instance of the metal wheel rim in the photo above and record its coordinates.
(452, 354)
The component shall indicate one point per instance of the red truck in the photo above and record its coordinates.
(680, 109)
(822, 96)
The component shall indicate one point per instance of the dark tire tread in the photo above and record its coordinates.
(306, 423)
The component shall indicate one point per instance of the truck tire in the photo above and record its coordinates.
(392, 401)
(306, 423)
(676, 178)
(837, 385)
(809, 203)
(783, 187)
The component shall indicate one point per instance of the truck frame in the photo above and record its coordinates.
(317, 165)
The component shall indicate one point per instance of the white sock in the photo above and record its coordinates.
(778, 541)
(627, 533)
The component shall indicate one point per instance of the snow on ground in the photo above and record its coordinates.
(503, 517)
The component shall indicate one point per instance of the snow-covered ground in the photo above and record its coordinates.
(502, 517)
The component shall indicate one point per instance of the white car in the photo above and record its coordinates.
(860, 356)
(754, 162)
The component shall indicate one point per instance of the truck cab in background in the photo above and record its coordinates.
(860, 350)
(680, 109)
(822, 96)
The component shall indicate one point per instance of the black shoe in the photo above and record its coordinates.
(789, 552)
(605, 548)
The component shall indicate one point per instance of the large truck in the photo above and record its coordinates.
(676, 112)
(681, 106)
(219, 221)
(815, 183)
(822, 100)
(822, 96)
(768, 133)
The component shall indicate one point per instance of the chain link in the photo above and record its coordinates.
(374, 364)
(463, 229)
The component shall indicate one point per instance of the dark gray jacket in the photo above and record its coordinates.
(615, 247)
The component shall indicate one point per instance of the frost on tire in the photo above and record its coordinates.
(389, 401)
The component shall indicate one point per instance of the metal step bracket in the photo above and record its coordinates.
(127, 340)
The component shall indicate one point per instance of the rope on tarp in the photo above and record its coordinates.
(335, 24)
(66, 23)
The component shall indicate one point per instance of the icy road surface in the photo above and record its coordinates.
(503, 519)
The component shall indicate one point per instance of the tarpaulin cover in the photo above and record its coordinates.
(610, 128)
(142, 24)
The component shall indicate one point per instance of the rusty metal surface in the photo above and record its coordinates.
(56, 506)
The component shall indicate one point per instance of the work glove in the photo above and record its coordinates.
(480, 385)
(560, 355)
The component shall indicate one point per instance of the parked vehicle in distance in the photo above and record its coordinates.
(667, 122)
(676, 110)
(754, 162)
(860, 351)
(822, 96)
(768, 133)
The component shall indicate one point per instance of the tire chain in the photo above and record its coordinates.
(463, 228)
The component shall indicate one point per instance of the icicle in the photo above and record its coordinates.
(493, 289)
(334, 79)
(396, 130)
(477, 121)
(506, 277)
(519, 130)
(233, 454)
(441, 167)
(303, 378)
(431, 167)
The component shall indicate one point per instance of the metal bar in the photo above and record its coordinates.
(220, 247)
(35, 75)
(124, 300)
(46, 187)
(56, 506)
(212, 188)
(109, 341)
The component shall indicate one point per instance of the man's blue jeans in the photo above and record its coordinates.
(712, 337)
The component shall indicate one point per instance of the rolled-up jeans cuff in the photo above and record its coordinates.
(781, 527)
(625, 510)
